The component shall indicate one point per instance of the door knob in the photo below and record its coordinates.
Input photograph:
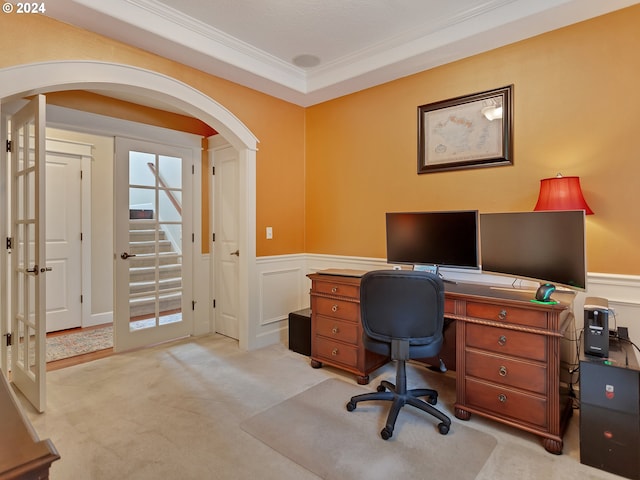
(236, 253)
(126, 255)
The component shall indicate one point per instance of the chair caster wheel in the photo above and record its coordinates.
(386, 433)
(443, 428)
(351, 406)
(432, 400)
(380, 388)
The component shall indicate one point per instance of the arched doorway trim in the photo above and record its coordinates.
(30, 79)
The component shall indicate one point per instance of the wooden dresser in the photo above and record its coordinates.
(336, 331)
(508, 360)
(507, 350)
(22, 455)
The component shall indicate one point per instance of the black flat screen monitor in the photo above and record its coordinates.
(448, 239)
(547, 246)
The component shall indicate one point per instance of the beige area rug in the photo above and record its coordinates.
(79, 343)
(315, 430)
(72, 344)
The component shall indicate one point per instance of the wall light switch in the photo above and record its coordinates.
(269, 233)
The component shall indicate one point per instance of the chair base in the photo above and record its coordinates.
(399, 396)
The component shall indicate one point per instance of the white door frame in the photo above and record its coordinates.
(22, 80)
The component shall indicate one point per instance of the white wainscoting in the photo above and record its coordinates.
(284, 288)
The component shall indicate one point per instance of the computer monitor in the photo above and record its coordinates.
(439, 238)
(545, 246)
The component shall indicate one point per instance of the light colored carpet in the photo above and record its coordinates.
(315, 430)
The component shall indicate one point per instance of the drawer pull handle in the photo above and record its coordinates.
(502, 315)
(334, 289)
(502, 398)
(334, 352)
(334, 330)
(502, 371)
(334, 308)
(502, 341)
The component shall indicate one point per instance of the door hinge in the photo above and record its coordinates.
(9, 243)
(213, 170)
(214, 303)
(214, 237)
(193, 238)
(9, 339)
(81, 237)
(193, 169)
(80, 174)
(193, 304)
(81, 298)
(9, 146)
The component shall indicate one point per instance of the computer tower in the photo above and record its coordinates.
(610, 411)
(596, 326)
(300, 331)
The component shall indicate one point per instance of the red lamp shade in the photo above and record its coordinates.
(561, 193)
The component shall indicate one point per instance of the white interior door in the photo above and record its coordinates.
(28, 266)
(153, 242)
(63, 226)
(226, 246)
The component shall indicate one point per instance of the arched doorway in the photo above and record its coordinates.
(30, 79)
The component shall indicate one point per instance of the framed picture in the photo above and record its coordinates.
(466, 132)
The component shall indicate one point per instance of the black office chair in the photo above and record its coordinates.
(402, 313)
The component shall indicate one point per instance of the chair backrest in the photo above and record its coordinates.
(402, 304)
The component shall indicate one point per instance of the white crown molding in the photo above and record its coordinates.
(158, 28)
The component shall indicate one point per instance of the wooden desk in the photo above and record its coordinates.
(507, 350)
(22, 455)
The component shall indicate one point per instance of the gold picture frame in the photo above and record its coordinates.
(471, 131)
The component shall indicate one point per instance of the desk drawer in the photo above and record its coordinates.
(498, 313)
(330, 307)
(337, 329)
(506, 371)
(335, 352)
(332, 288)
(504, 341)
(506, 403)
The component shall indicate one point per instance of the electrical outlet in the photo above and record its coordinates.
(269, 233)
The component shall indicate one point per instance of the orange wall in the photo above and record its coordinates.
(576, 99)
(278, 125)
(575, 96)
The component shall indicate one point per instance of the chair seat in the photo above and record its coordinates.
(415, 351)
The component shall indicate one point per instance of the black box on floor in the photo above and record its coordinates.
(610, 411)
(300, 331)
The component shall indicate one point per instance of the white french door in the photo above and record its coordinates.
(28, 258)
(153, 243)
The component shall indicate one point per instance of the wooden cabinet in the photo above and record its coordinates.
(22, 455)
(508, 358)
(507, 350)
(336, 331)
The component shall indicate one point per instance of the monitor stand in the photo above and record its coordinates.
(435, 269)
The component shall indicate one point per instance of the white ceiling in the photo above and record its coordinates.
(359, 43)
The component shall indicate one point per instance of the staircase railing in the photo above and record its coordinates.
(163, 184)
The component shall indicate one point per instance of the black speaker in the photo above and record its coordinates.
(596, 326)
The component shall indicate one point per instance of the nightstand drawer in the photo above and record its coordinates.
(518, 316)
(507, 371)
(506, 403)
(335, 352)
(531, 346)
(331, 288)
(330, 307)
(337, 329)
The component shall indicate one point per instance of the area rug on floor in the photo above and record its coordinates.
(72, 344)
(315, 430)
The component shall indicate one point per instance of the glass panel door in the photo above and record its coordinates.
(153, 252)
